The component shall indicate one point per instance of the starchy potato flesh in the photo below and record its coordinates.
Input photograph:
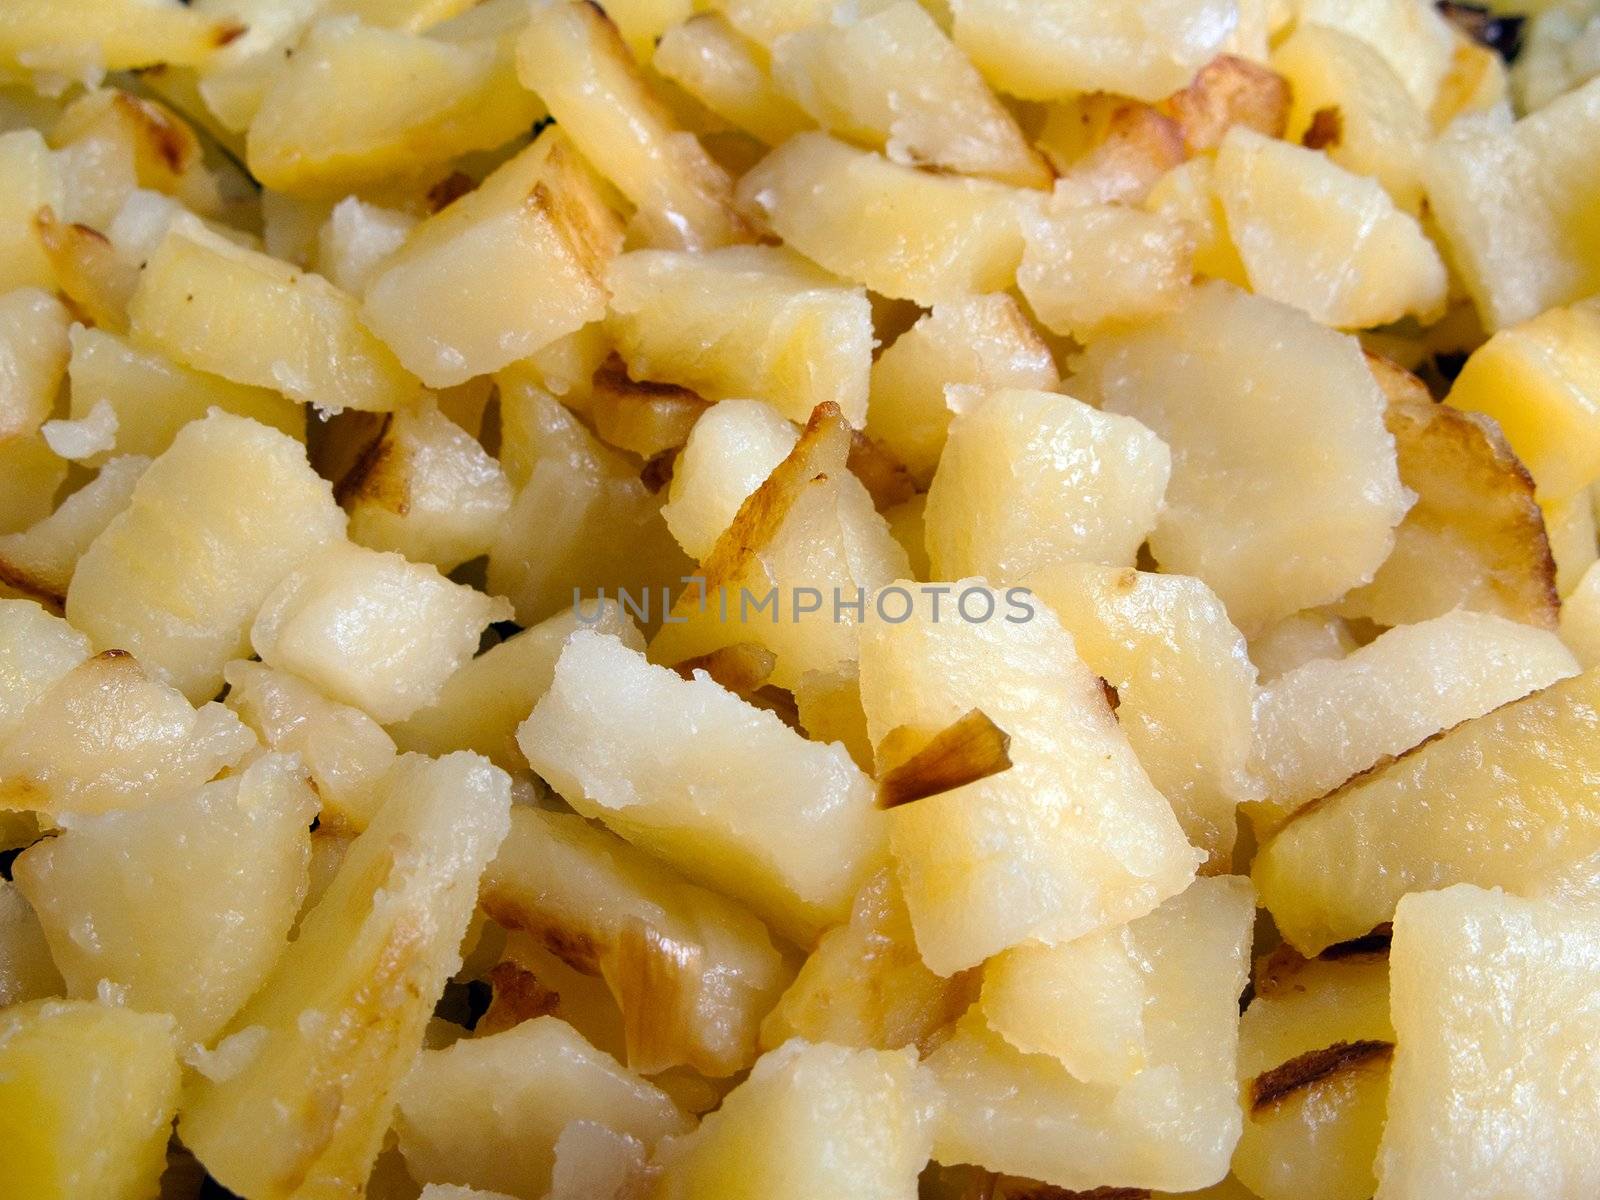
(1580, 619)
(1570, 529)
(1171, 1125)
(331, 1033)
(1086, 486)
(356, 238)
(1100, 845)
(730, 453)
(27, 972)
(37, 649)
(87, 1093)
(488, 1111)
(83, 36)
(32, 182)
(1413, 38)
(146, 883)
(37, 563)
(1187, 193)
(33, 357)
(1306, 430)
(1109, 148)
(1414, 823)
(1330, 720)
(730, 76)
(155, 147)
(30, 475)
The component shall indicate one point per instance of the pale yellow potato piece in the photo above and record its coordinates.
(1580, 619)
(160, 149)
(730, 452)
(33, 358)
(1047, 49)
(153, 397)
(1080, 1002)
(692, 972)
(29, 181)
(345, 752)
(27, 972)
(179, 575)
(904, 233)
(573, 57)
(892, 80)
(88, 37)
(107, 736)
(219, 307)
(1185, 685)
(1188, 193)
(828, 704)
(356, 238)
(811, 1120)
(984, 343)
(1516, 207)
(427, 490)
(1316, 236)
(708, 59)
(1071, 838)
(1298, 639)
(745, 321)
(1382, 132)
(320, 1051)
(31, 474)
(1173, 1124)
(724, 792)
(372, 630)
(37, 649)
(147, 882)
(764, 21)
(502, 272)
(358, 105)
(1080, 486)
(1570, 529)
(1285, 490)
(87, 1093)
(1526, 770)
(1413, 38)
(1494, 1004)
(38, 562)
(866, 986)
(488, 1111)
(1558, 55)
(1328, 721)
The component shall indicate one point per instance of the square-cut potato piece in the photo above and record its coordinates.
(500, 273)
(488, 1111)
(1173, 1124)
(810, 1121)
(692, 972)
(87, 1093)
(1527, 770)
(1080, 485)
(1329, 720)
(723, 791)
(1073, 837)
(1493, 1090)
(1285, 490)
(893, 80)
(303, 1086)
(29, 181)
(753, 322)
(1184, 680)
(729, 75)
(982, 342)
(371, 629)
(730, 453)
(33, 358)
(179, 575)
(573, 57)
(146, 883)
(904, 233)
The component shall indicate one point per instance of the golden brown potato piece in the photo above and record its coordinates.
(1230, 91)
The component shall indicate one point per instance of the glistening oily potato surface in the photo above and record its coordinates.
(799, 600)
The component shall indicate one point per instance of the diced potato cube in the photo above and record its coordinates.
(146, 883)
(1285, 491)
(1185, 685)
(370, 629)
(692, 972)
(1413, 38)
(179, 575)
(488, 1111)
(1081, 486)
(33, 358)
(1316, 236)
(904, 233)
(1173, 1124)
(29, 181)
(1045, 49)
(723, 791)
(346, 753)
(37, 563)
(106, 736)
(320, 1051)
(811, 1121)
(729, 454)
(27, 972)
(573, 57)
(1071, 838)
(1527, 770)
(982, 342)
(1494, 1004)
(256, 320)
(746, 321)
(87, 1093)
(90, 37)
(710, 61)
(500, 273)
(891, 79)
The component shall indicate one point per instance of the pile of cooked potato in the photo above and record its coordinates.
(792, 600)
